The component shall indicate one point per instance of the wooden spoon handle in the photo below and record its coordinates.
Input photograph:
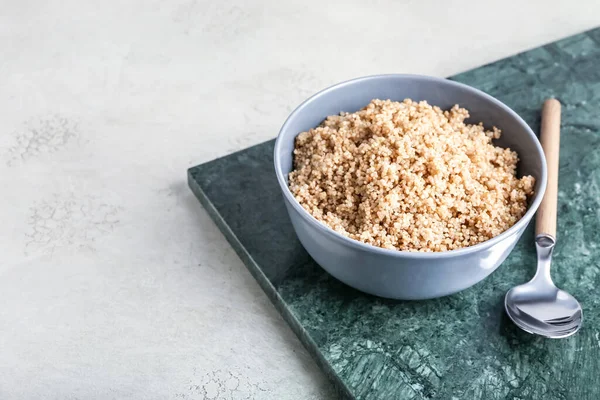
(550, 137)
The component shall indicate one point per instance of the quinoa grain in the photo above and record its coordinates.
(409, 176)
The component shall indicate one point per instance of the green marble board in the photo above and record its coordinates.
(461, 346)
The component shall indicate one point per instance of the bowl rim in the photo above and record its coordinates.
(520, 224)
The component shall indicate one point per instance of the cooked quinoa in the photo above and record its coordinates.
(409, 176)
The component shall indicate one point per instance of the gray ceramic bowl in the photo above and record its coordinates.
(399, 274)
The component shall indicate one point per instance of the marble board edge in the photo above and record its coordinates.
(265, 284)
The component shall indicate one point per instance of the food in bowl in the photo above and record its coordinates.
(409, 176)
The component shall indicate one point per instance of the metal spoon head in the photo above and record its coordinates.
(539, 306)
(543, 310)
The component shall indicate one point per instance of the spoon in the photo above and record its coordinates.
(538, 306)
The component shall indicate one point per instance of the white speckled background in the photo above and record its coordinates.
(114, 283)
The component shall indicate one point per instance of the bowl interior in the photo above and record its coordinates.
(353, 95)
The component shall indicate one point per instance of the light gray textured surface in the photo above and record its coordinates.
(114, 282)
